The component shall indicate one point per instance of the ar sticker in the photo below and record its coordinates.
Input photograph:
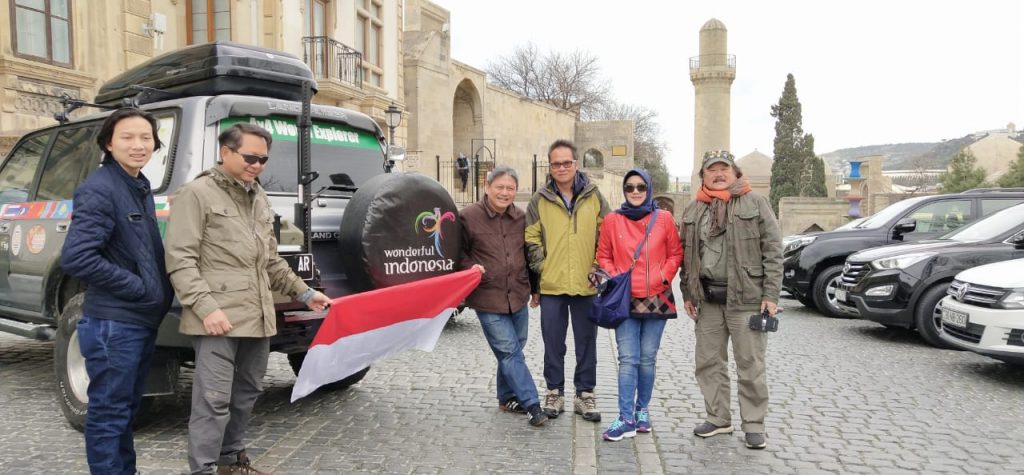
(16, 240)
(36, 239)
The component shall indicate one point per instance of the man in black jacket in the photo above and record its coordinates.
(114, 247)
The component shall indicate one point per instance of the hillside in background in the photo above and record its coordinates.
(903, 156)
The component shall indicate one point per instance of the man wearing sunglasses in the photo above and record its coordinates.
(733, 268)
(562, 222)
(222, 260)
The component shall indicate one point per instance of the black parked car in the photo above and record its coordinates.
(902, 285)
(813, 262)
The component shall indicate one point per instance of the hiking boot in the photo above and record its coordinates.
(554, 403)
(242, 467)
(586, 406)
(708, 429)
(620, 428)
(755, 440)
(513, 406)
(643, 420)
(537, 416)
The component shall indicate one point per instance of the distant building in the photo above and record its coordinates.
(757, 169)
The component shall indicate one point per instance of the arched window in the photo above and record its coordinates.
(593, 159)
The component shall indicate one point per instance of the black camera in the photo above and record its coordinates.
(764, 322)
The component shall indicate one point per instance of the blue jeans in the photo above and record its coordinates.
(117, 357)
(506, 333)
(638, 341)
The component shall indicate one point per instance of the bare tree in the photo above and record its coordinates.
(570, 81)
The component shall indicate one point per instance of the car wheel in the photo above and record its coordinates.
(69, 365)
(928, 316)
(824, 291)
(295, 361)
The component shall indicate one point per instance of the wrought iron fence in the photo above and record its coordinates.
(465, 184)
(331, 59)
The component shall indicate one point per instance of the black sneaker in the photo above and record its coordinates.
(755, 440)
(513, 406)
(537, 416)
(707, 429)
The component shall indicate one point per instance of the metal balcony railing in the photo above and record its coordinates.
(707, 60)
(332, 59)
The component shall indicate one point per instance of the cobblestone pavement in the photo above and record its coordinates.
(846, 396)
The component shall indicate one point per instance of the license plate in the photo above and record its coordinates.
(841, 295)
(301, 264)
(953, 318)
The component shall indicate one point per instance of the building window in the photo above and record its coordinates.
(41, 30)
(208, 20)
(314, 24)
(369, 39)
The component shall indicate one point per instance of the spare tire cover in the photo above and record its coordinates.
(398, 228)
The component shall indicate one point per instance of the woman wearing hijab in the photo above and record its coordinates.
(652, 303)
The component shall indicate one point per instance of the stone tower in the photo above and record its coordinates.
(712, 74)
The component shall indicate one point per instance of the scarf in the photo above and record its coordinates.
(719, 200)
(636, 213)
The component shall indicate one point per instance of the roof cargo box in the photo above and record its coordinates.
(210, 69)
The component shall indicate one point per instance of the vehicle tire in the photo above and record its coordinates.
(69, 366)
(824, 291)
(927, 315)
(295, 361)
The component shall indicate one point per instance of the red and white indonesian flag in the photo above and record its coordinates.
(364, 328)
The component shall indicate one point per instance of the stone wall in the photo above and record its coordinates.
(798, 214)
(612, 140)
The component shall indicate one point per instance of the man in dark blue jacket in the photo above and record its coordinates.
(114, 247)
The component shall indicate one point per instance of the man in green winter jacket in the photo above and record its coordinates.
(562, 223)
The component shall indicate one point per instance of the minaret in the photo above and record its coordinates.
(712, 74)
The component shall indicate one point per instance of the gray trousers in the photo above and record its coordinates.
(715, 327)
(228, 379)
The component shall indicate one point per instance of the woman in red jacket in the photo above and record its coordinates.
(639, 336)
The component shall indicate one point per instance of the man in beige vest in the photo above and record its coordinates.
(222, 259)
(732, 269)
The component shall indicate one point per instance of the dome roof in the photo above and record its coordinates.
(755, 164)
(713, 24)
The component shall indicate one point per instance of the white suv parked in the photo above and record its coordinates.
(984, 311)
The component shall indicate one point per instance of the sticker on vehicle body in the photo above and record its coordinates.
(16, 240)
(36, 239)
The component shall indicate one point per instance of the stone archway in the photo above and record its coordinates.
(593, 158)
(467, 118)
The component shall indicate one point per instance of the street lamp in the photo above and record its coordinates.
(393, 117)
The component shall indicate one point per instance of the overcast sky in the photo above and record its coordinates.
(867, 71)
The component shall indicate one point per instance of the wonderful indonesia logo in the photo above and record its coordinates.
(412, 259)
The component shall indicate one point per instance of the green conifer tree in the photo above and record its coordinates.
(1015, 176)
(962, 174)
(788, 152)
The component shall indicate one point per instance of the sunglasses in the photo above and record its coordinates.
(641, 188)
(254, 159)
(565, 164)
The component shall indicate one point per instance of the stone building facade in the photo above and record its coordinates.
(49, 48)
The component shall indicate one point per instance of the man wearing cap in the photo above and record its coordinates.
(733, 269)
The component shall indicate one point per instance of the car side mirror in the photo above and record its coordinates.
(1017, 241)
(904, 226)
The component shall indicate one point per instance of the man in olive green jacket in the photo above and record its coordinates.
(222, 260)
(732, 268)
(562, 223)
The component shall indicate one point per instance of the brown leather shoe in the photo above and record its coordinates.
(242, 467)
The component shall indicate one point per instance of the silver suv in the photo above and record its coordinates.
(39, 176)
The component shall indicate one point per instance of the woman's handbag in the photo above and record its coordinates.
(611, 305)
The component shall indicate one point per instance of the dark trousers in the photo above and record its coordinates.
(228, 379)
(117, 357)
(555, 313)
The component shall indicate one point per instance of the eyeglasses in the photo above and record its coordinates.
(641, 188)
(253, 159)
(565, 164)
